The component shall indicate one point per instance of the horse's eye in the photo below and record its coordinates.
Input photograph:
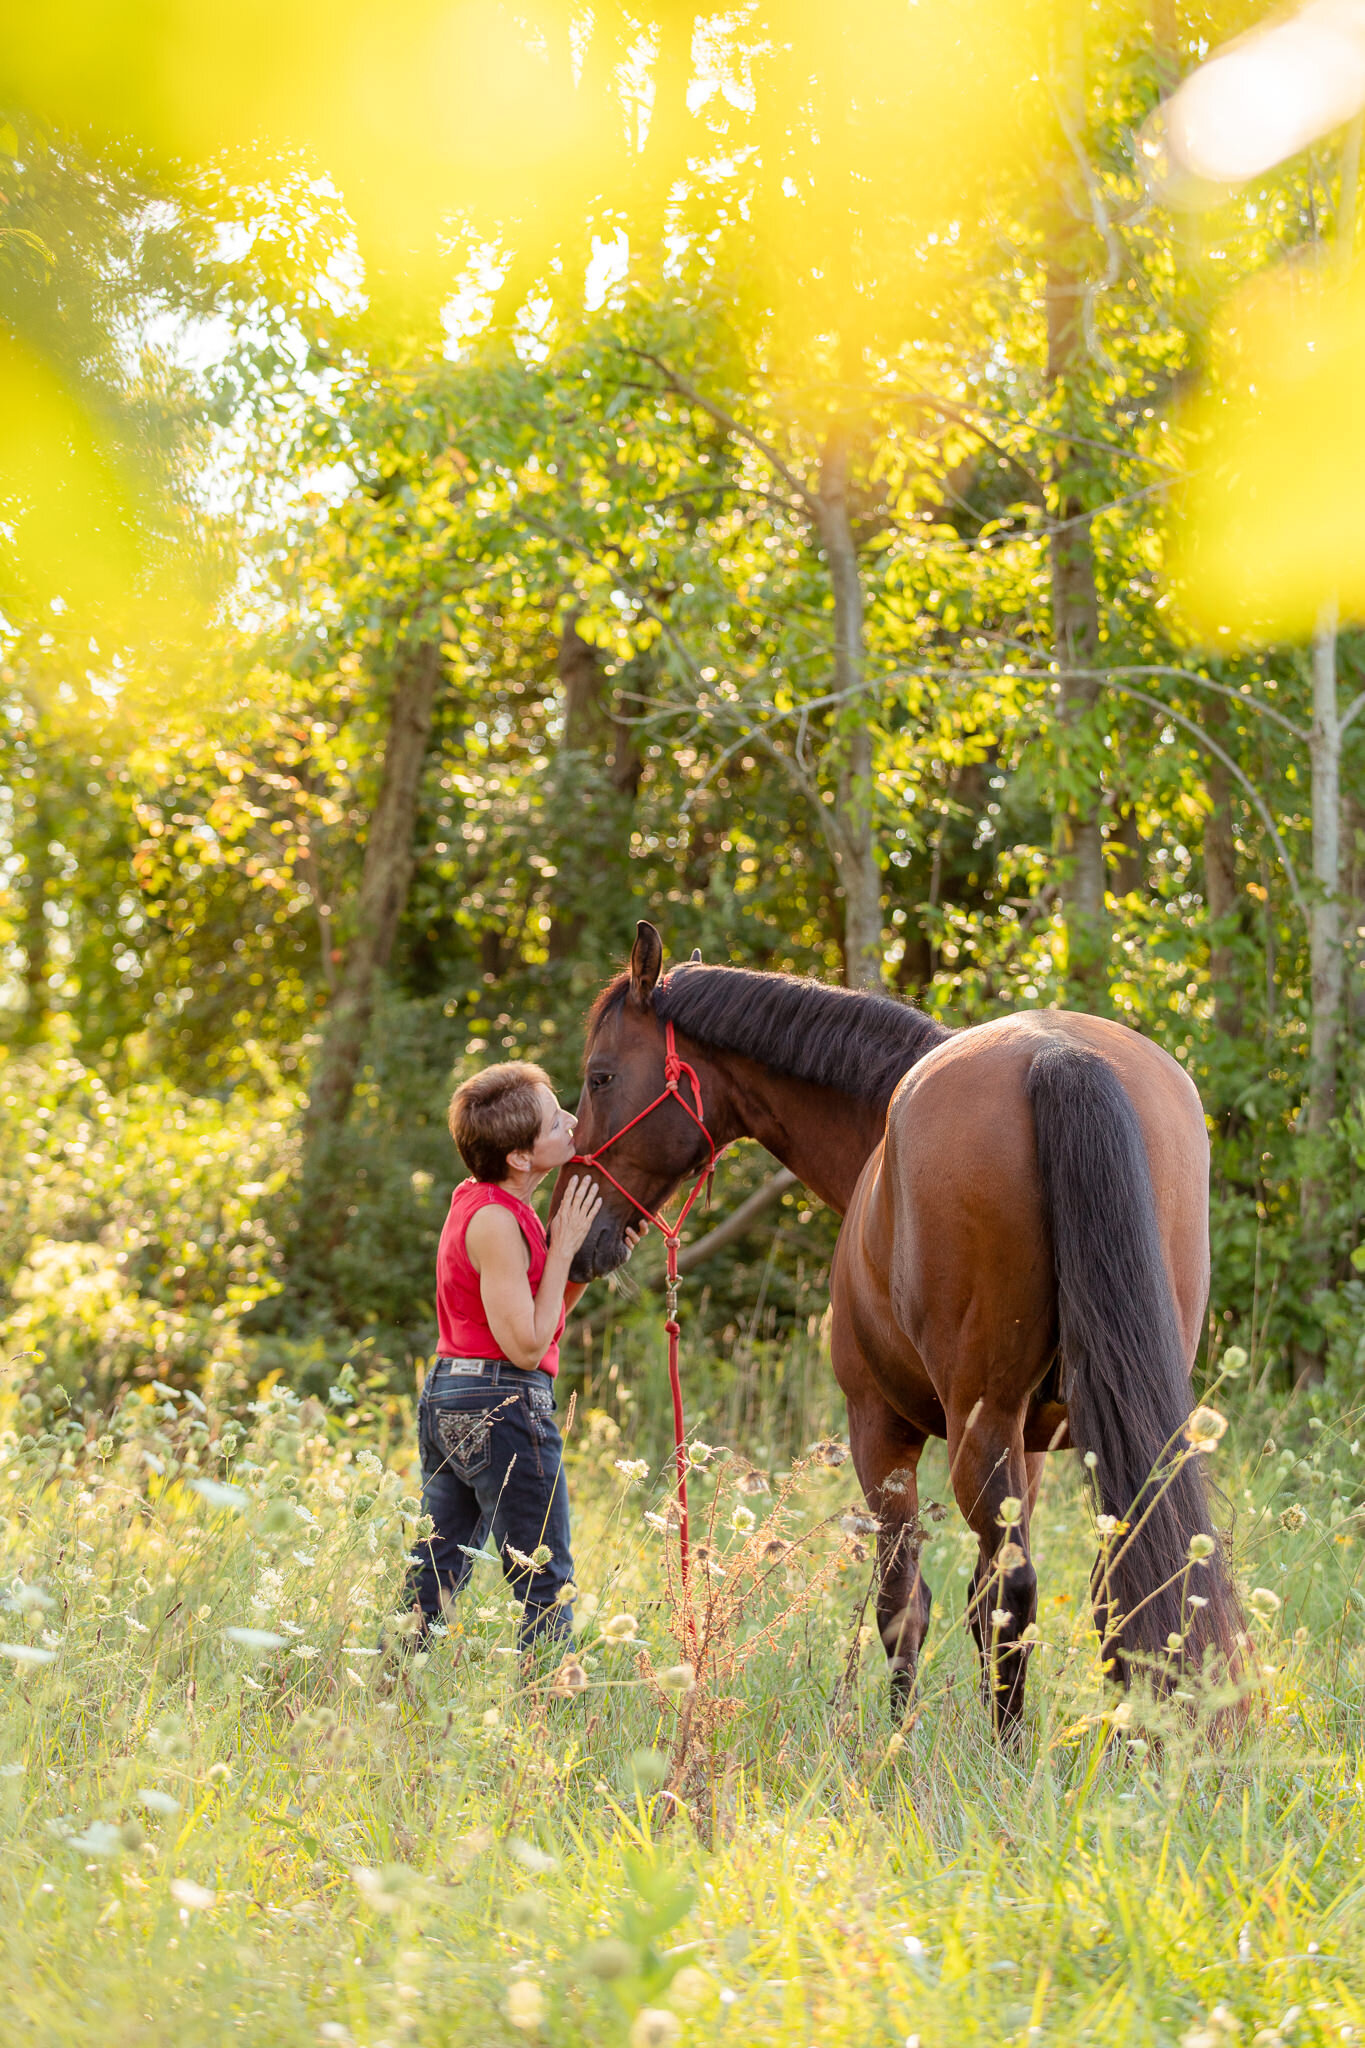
(600, 1080)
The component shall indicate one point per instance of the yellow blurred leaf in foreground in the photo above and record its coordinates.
(1274, 519)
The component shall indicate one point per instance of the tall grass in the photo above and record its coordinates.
(283, 1835)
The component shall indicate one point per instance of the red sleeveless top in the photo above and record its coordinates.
(460, 1320)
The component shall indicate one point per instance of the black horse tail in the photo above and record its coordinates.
(1124, 1377)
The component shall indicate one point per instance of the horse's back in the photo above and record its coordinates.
(947, 1229)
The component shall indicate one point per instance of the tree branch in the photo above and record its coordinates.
(727, 420)
(1258, 801)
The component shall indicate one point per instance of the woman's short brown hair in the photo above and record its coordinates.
(497, 1112)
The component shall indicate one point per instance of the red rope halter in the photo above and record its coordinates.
(674, 1069)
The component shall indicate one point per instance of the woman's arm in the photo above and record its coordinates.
(524, 1323)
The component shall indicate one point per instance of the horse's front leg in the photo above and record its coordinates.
(989, 1470)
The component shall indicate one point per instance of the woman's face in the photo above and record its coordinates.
(555, 1145)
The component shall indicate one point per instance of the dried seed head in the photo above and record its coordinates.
(752, 1481)
(1011, 1511)
(1201, 1546)
(1010, 1556)
(829, 1451)
(1204, 1428)
(568, 1680)
(620, 1628)
(654, 2027)
(1263, 1603)
(678, 1678)
(1293, 1518)
(742, 1520)
(524, 2005)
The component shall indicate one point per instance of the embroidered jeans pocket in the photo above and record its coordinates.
(465, 1435)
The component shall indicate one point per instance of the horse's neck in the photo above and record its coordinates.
(824, 1136)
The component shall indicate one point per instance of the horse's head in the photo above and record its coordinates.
(623, 1073)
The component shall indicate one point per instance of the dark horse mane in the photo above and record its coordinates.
(850, 1039)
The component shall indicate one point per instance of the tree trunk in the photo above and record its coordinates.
(849, 826)
(1223, 896)
(594, 788)
(1078, 824)
(384, 882)
(1327, 966)
(35, 884)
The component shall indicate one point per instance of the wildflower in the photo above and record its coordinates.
(524, 2005)
(1263, 1603)
(100, 1839)
(220, 1495)
(1201, 1547)
(621, 1628)
(662, 1521)
(634, 1468)
(1122, 1715)
(1011, 1511)
(1010, 1556)
(1001, 1617)
(1234, 1360)
(26, 1653)
(691, 1987)
(1032, 1634)
(829, 1451)
(491, 1718)
(304, 1650)
(304, 1557)
(567, 1594)
(158, 1802)
(1110, 1525)
(678, 1678)
(383, 1889)
(256, 1638)
(654, 2026)
(531, 1858)
(1293, 1518)
(699, 1453)
(1090, 1461)
(742, 1520)
(1196, 1601)
(195, 1898)
(914, 1947)
(520, 1558)
(568, 1680)
(1204, 1428)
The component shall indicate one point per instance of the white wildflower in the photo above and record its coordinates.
(195, 1898)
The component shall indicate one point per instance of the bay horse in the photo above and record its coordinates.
(1023, 1266)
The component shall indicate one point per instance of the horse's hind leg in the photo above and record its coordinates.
(988, 1465)
(886, 1453)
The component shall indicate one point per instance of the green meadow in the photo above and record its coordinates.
(229, 1814)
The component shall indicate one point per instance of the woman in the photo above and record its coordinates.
(492, 1458)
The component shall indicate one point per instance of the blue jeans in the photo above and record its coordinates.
(492, 1459)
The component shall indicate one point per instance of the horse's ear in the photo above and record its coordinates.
(646, 958)
(695, 961)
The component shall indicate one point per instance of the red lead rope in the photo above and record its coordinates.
(674, 1069)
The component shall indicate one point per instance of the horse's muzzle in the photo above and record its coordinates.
(602, 1250)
